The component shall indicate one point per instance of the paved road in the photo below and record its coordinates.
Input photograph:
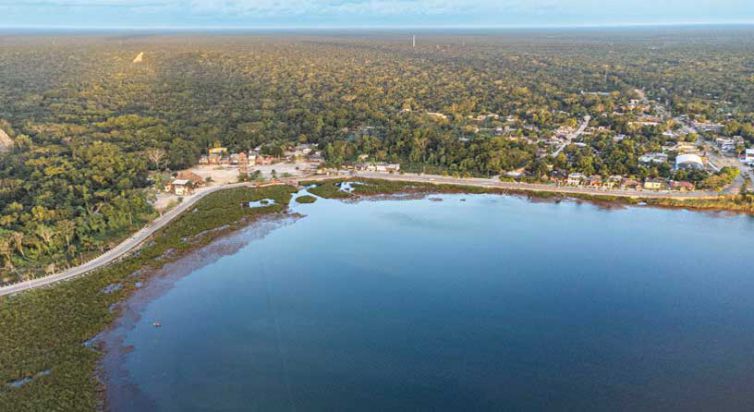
(138, 238)
(120, 250)
(573, 135)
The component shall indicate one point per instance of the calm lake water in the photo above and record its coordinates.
(470, 303)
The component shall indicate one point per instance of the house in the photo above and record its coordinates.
(653, 158)
(216, 155)
(708, 127)
(595, 181)
(263, 160)
(727, 145)
(379, 167)
(192, 177)
(630, 184)
(749, 157)
(655, 184)
(613, 181)
(682, 186)
(575, 179)
(180, 187)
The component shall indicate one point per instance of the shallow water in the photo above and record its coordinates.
(484, 304)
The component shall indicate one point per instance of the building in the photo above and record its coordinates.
(192, 177)
(709, 127)
(613, 181)
(728, 145)
(216, 155)
(653, 158)
(630, 184)
(263, 160)
(379, 167)
(180, 187)
(575, 179)
(655, 184)
(595, 181)
(682, 186)
(749, 157)
(689, 161)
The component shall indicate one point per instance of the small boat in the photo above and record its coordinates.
(156, 324)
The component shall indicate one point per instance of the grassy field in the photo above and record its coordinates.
(44, 330)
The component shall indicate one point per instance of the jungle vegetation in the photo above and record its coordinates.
(89, 126)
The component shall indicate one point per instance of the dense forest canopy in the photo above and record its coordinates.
(82, 114)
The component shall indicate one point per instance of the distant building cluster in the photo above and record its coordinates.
(624, 183)
(221, 156)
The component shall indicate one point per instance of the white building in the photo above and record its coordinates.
(653, 158)
(689, 161)
(749, 157)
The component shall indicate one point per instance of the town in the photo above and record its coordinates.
(686, 148)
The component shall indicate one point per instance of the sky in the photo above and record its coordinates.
(367, 13)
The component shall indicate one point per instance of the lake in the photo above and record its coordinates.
(449, 302)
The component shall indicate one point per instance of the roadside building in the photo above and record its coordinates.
(195, 179)
(630, 184)
(655, 184)
(689, 162)
(613, 181)
(682, 186)
(749, 157)
(379, 167)
(575, 179)
(595, 181)
(180, 187)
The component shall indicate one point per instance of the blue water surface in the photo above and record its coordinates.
(475, 302)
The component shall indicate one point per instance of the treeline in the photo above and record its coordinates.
(89, 125)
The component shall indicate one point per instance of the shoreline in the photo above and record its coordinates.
(84, 298)
(53, 328)
(116, 387)
(695, 201)
(700, 202)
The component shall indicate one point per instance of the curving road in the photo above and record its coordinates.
(574, 135)
(138, 238)
(128, 245)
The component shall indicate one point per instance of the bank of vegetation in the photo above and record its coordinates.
(45, 331)
(742, 203)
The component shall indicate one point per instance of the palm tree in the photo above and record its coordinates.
(6, 251)
(18, 242)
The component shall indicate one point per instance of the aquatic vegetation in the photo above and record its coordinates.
(46, 329)
(306, 199)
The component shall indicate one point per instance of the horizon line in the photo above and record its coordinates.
(386, 27)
